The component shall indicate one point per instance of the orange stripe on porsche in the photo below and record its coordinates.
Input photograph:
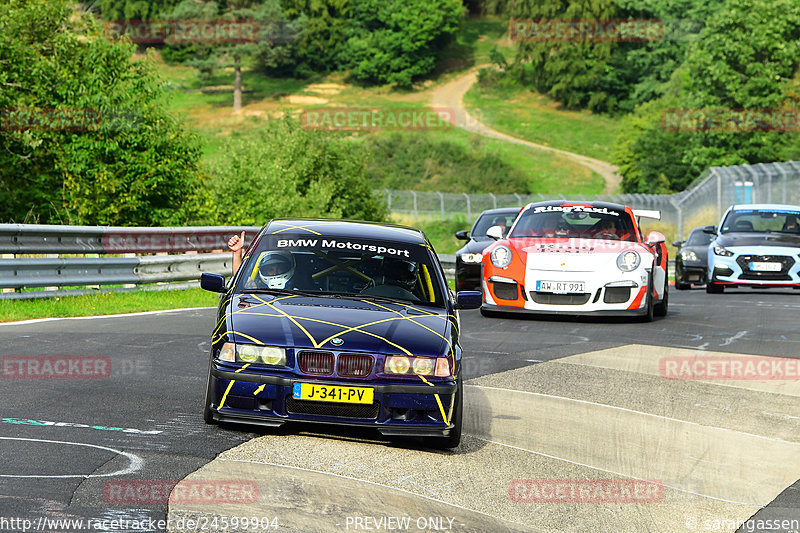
(638, 300)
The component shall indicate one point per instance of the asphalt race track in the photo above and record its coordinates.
(570, 425)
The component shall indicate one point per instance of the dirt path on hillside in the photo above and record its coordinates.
(451, 95)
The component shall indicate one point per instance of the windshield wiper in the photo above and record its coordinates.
(277, 291)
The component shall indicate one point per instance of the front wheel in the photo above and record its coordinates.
(208, 415)
(660, 309)
(454, 439)
(714, 288)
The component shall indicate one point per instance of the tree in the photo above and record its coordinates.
(397, 41)
(284, 170)
(85, 136)
(268, 42)
(134, 9)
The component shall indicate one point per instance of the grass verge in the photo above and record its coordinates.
(108, 303)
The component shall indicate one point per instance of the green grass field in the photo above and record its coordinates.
(537, 118)
(108, 303)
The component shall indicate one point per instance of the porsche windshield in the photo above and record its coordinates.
(343, 266)
(585, 222)
(762, 220)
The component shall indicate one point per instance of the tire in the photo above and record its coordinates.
(208, 415)
(714, 288)
(649, 305)
(454, 439)
(679, 285)
(660, 309)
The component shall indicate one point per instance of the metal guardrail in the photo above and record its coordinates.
(57, 272)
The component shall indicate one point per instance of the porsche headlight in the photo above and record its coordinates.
(471, 258)
(689, 255)
(250, 353)
(501, 256)
(628, 261)
(719, 250)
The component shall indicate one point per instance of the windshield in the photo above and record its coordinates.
(699, 238)
(342, 266)
(762, 220)
(487, 220)
(585, 222)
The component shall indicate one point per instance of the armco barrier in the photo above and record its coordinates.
(24, 239)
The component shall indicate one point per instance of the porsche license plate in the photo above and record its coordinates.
(332, 393)
(561, 287)
(765, 267)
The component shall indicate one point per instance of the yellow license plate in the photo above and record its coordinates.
(332, 393)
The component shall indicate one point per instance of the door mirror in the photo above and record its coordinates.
(469, 299)
(711, 230)
(655, 237)
(462, 235)
(212, 282)
(495, 232)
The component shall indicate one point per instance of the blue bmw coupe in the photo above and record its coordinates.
(347, 323)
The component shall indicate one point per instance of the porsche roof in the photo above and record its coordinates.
(345, 228)
(607, 205)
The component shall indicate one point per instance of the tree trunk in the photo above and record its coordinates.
(237, 84)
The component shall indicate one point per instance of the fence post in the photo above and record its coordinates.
(519, 199)
(719, 192)
(414, 194)
(469, 208)
(441, 202)
(389, 198)
(494, 201)
(783, 182)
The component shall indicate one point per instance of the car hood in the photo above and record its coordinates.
(360, 325)
(475, 247)
(728, 240)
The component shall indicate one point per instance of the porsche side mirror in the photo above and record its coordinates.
(495, 232)
(462, 235)
(678, 244)
(655, 237)
(212, 282)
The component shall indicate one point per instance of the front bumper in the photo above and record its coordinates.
(468, 275)
(623, 295)
(399, 408)
(736, 269)
(692, 274)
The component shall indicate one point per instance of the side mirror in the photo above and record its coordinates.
(711, 230)
(655, 237)
(212, 282)
(678, 244)
(495, 232)
(462, 235)
(469, 299)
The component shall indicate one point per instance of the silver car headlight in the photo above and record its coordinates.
(501, 256)
(628, 261)
(471, 258)
(719, 250)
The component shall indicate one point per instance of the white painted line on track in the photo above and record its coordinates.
(141, 313)
(136, 462)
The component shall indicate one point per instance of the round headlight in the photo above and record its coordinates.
(272, 355)
(398, 364)
(248, 354)
(423, 366)
(471, 258)
(501, 256)
(627, 261)
(719, 250)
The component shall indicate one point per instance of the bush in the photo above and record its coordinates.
(282, 170)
